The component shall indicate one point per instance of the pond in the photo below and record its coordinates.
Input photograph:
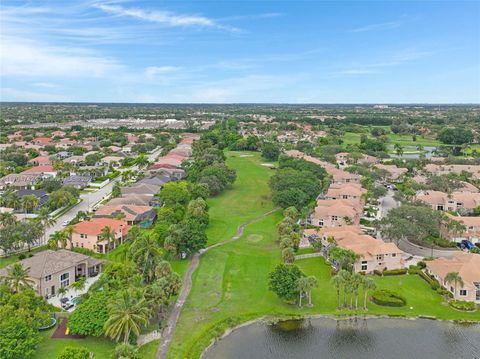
(412, 152)
(371, 338)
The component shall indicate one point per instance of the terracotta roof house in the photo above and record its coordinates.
(58, 134)
(46, 171)
(141, 188)
(336, 213)
(472, 228)
(42, 141)
(341, 158)
(456, 201)
(114, 148)
(394, 171)
(132, 214)
(445, 169)
(87, 234)
(20, 180)
(367, 159)
(467, 265)
(52, 270)
(41, 161)
(351, 191)
(110, 160)
(74, 160)
(375, 254)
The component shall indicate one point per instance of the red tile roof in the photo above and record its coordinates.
(95, 225)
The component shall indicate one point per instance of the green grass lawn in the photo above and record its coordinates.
(230, 285)
(51, 348)
(404, 140)
(249, 196)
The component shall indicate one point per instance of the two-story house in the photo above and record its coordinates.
(88, 234)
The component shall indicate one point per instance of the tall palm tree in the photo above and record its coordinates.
(17, 278)
(106, 235)
(337, 282)
(311, 283)
(398, 149)
(61, 292)
(68, 231)
(59, 237)
(456, 279)
(302, 287)
(79, 284)
(357, 280)
(45, 219)
(127, 313)
(30, 202)
(146, 253)
(367, 284)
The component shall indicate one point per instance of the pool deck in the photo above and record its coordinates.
(72, 293)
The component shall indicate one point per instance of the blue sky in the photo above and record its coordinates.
(241, 51)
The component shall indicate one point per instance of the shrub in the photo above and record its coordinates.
(388, 298)
(399, 271)
(463, 305)
(377, 272)
(74, 353)
(413, 269)
(22, 256)
(421, 265)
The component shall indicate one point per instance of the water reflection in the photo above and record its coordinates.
(353, 338)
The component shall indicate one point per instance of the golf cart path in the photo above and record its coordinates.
(187, 286)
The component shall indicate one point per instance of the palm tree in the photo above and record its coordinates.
(337, 282)
(17, 278)
(59, 237)
(61, 292)
(456, 279)
(45, 219)
(302, 287)
(126, 314)
(357, 280)
(30, 202)
(7, 218)
(398, 149)
(311, 283)
(79, 284)
(146, 253)
(367, 284)
(68, 230)
(107, 235)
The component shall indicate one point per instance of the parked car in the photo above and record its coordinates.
(65, 223)
(466, 244)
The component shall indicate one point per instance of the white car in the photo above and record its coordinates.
(65, 223)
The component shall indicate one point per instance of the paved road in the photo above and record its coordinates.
(387, 202)
(89, 200)
(187, 285)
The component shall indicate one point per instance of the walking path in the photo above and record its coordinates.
(187, 286)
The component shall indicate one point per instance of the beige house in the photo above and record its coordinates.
(445, 169)
(467, 265)
(336, 213)
(350, 191)
(394, 172)
(374, 254)
(472, 228)
(87, 234)
(456, 201)
(51, 270)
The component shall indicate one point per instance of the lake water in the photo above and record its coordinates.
(354, 338)
(427, 149)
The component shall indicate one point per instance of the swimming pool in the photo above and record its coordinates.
(75, 300)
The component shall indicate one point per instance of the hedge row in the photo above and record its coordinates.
(388, 298)
(399, 271)
(463, 305)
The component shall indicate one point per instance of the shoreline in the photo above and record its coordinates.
(272, 319)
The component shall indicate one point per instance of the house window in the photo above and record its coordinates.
(48, 278)
(394, 254)
(83, 236)
(334, 218)
(320, 222)
(463, 292)
(364, 265)
(379, 257)
(65, 280)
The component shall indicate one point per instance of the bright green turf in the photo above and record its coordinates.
(248, 198)
(230, 284)
(51, 348)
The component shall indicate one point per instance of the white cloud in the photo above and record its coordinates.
(161, 70)
(11, 94)
(165, 18)
(48, 85)
(380, 26)
(21, 57)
